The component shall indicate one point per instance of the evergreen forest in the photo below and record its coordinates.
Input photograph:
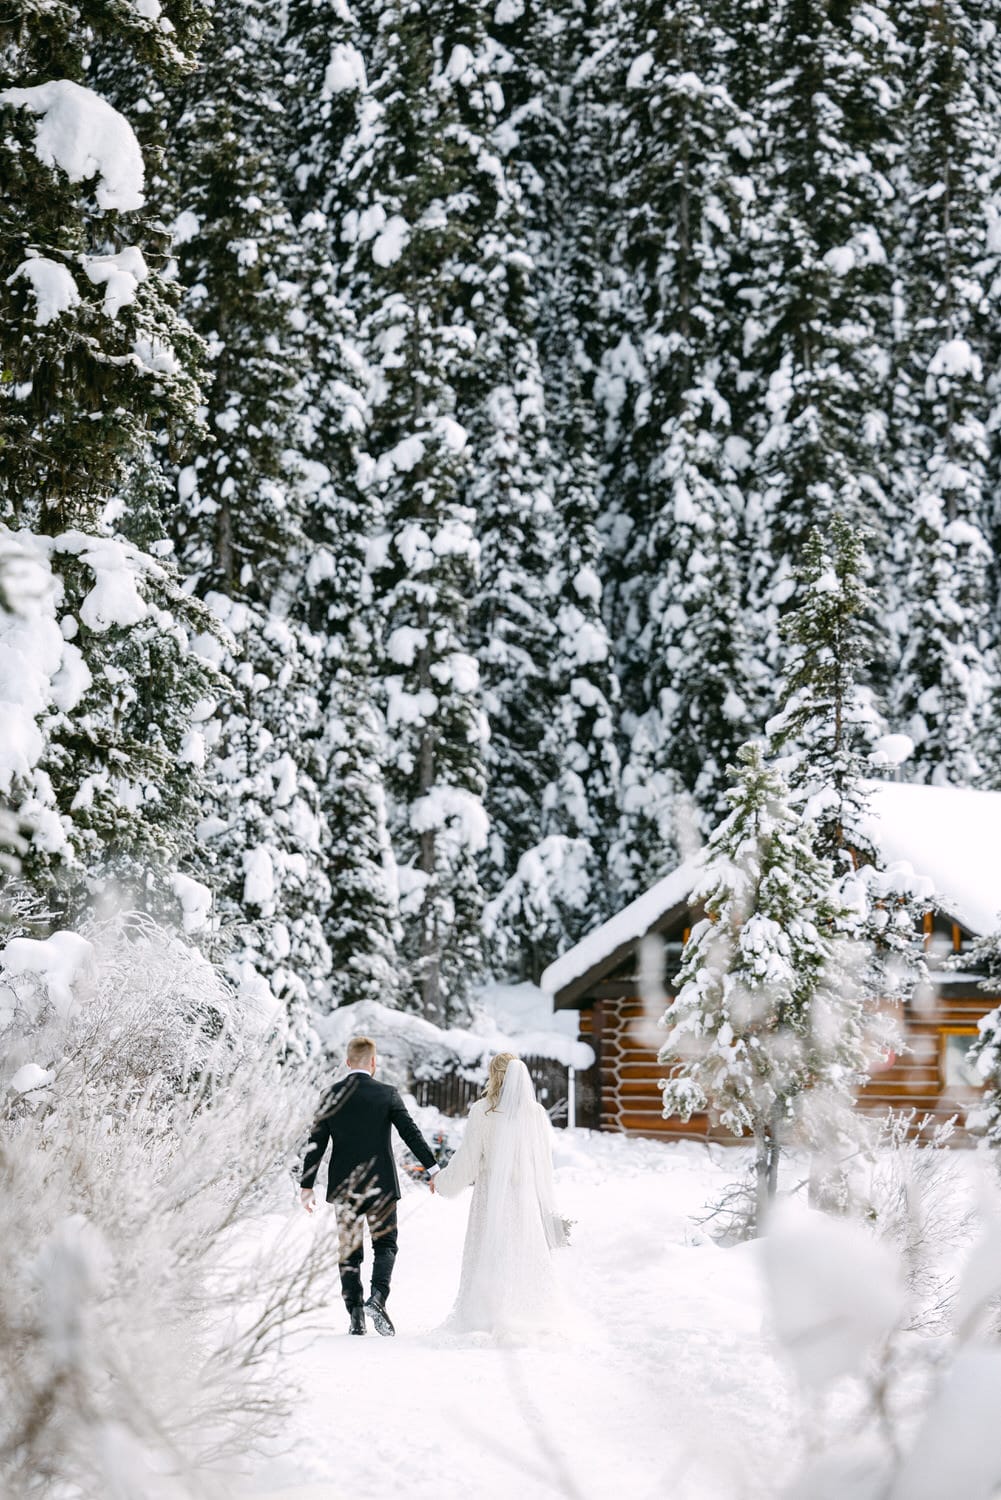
(422, 426)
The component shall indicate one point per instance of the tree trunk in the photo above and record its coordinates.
(429, 976)
(766, 1168)
(762, 1172)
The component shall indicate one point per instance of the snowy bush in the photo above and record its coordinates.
(880, 1301)
(916, 1203)
(145, 1128)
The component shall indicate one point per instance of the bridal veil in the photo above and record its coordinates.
(508, 1285)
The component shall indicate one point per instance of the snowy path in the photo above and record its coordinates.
(671, 1390)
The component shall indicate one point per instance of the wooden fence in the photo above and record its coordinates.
(453, 1094)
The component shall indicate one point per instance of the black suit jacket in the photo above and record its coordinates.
(357, 1118)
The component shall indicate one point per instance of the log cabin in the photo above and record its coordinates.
(949, 837)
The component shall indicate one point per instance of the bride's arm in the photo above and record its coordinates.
(462, 1167)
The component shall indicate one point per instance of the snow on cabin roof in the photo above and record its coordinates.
(626, 927)
(951, 835)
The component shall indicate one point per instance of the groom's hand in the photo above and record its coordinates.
(307, 1198)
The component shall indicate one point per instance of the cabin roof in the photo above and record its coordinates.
(949, 835)
(604, 948)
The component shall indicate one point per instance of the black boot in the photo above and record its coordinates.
(376, 1309)
(357, 1319)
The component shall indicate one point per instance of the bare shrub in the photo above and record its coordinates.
(151, 1263)
(917, 1202)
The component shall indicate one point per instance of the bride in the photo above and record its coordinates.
(508, 1285)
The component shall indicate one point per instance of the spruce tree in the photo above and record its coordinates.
(424, 191)
(830, 720)
(93, 351)
(672, 379)
(326, 99)
(827, 730)
(244, 500)
(947, 266)
(766, 1031)
(545, 659)
(820, 277)
(95, 360)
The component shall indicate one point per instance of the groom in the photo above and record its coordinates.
(356, 1117)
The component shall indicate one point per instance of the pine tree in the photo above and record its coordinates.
(947, 268)
(327, 98)
(828, 730)
(95, 359)
(766, 1030)
(690, 679)
(545, 659)
(830, 720)
(244, 501)
(820, 276)
(582, 800)
(424, 190)
(364, 925)
(93, 351)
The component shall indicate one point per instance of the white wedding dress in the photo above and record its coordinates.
(508, 1286)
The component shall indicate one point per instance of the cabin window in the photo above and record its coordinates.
(956, 1070)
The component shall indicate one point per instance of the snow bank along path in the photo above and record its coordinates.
(672, 1386)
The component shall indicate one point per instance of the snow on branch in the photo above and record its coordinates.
(82, 135)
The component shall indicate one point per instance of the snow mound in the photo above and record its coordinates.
(82, 134)
(835, 1290)
(950, 834)
(411, 1045)
(28, 1078)
(345, 71)
(58, 961)
(195, 899)
(115, 599)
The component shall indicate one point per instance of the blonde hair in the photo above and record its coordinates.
(495, 1078)
(361, 1050)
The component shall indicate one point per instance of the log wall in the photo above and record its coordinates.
(625, 1095)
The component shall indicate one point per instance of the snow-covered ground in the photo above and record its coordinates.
(672, 1386)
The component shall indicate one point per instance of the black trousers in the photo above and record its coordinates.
(351, 1219)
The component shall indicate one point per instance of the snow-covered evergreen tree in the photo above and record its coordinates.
(947, 267)
(677, 459)
(829, 728)
(424, 191)
(363, 930)
(830, 719)
(767, 1031)
(95, 358)
(546, 662)
(93, 350)
(244, 496)
(326, 102)
(820, 277)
